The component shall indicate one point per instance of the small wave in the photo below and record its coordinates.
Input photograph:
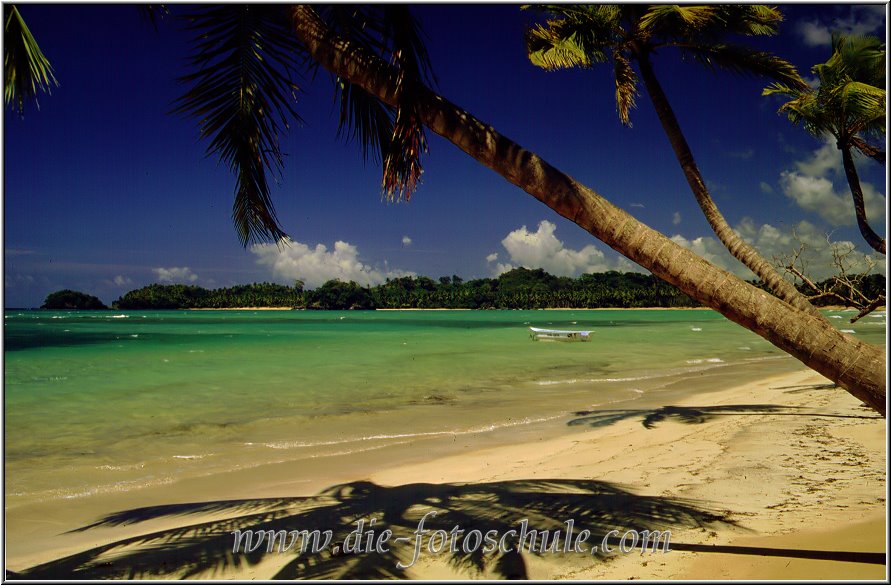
(695, 328)
(744, 347)
(836, 317)
(706, 361)
(119, 316)
(191, 456)
(591, 380)
(847, 331)
(121, 467)
(388, 436)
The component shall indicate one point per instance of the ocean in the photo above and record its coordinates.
(103, 402)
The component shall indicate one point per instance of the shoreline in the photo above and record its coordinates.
(697, 462)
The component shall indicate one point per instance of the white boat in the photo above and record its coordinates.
(558, 335)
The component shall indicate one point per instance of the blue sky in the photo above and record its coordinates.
(104, 191)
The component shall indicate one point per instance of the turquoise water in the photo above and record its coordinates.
(112, 401)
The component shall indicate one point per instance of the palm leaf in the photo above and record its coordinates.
(626, 86)
(26, 69)
(674, 18)
(241, 92)
(364, 119)
(402, 161)
(547, 48)
(394, 136)
(744, 61)
(749, 19)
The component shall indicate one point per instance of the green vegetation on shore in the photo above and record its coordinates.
(520, 288)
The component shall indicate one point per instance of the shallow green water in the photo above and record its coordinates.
(117, 400)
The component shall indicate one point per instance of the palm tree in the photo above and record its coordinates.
(373, 67)
(849, 104)
(581, 36)
(856, 366)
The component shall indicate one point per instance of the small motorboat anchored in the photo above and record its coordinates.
(558, 335)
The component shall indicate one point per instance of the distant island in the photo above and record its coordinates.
(71, 299)
(520, 288)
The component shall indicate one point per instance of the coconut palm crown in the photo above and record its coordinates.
(585, 35)
(849, 105)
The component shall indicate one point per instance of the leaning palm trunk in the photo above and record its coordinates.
(738, 247)
(873, 239)
(856, 366)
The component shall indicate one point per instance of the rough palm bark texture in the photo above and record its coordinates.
(856, 366)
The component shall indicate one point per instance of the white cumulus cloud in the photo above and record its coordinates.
(819, 185)
(774, 243)
(676, 218)
(317, 265)
(120, 280)
(859, 20)
(542, 249)
(181, 275)
(406, 241)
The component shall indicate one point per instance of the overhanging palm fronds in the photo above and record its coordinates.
(26, 69)
(241, 91)
(391, 135)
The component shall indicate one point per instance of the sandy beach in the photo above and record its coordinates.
(807, 475)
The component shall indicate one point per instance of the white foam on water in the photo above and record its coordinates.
(706, 361)
(847, 331)
(836, 317)
(695, 328)
(388, 436)
(592, 380)
(119, 317)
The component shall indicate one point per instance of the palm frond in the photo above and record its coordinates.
(626, 86)
(241, 92)
(749, 19)
(744, 61)
(661, 18)
(402, 162)
(858, 57)
(394, 136)
(364, 119)
(547, 48)
(26, 69)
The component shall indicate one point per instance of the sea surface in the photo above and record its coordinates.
(100, 402)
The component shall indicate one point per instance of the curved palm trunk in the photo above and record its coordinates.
(873, 239)
(738, 247)
(856, 366)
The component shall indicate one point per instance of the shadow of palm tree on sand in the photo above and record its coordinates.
(205, 549)
(650, 417)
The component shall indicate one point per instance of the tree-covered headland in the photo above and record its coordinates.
(520, 288)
